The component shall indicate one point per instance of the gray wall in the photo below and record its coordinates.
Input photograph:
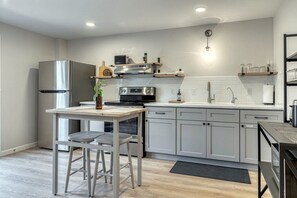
(232, 43)
(21, 52)
(285, 23)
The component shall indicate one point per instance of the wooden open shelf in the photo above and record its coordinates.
(138, 64)
(106, 77)
(163, 75)
(257, 74)
(156, 75)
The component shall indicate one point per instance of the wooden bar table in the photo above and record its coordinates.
(107, 114)
(285, 137)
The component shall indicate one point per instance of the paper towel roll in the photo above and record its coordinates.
(268, 94)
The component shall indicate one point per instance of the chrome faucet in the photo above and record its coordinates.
(209, 98)
(233, 97)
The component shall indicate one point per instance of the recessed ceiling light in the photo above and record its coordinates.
(90, 24)
(200, 9)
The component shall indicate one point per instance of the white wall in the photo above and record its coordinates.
(285, 23)
(21, 52)
(232, 44)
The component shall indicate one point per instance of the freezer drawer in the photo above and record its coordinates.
(45, 120)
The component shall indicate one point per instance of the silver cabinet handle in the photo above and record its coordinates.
(261, 117)
(160, 113)
(249, 126)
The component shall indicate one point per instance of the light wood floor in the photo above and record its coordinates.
(28, 174)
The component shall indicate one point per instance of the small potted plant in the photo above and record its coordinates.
(98, 93)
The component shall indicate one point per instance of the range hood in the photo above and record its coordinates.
(142, 68)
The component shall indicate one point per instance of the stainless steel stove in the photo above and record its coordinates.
(132, 97)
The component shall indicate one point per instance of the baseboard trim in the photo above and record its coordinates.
(18, 149)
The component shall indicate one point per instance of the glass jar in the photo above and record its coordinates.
(243, 68)
(263, 69)
(255, 69)
(249, 67)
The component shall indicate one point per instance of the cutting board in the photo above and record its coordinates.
(104, 71)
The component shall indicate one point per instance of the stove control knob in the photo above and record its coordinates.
(123, 91)
(148, 91)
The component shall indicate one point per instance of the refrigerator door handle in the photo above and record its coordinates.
(53, 91)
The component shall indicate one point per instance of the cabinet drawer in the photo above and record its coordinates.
(223, 115)
(191, 114)
(250, 116)
(161, 112)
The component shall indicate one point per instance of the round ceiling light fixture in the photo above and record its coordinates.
(200, 9)
(90, 24)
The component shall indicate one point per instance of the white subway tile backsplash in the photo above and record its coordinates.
(248, 90)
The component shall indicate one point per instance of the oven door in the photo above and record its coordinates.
(130, 127)
(127, 126)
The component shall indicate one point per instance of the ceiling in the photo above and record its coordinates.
(66, 18)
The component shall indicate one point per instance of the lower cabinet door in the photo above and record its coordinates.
(223, 141)
(160, 136)
(249, 143)
(191, 138)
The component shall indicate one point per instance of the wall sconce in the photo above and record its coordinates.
(208, 51)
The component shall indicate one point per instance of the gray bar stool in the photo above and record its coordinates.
(107, 140)
(82, 137)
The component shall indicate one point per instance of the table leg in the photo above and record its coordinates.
(259, 160)
(55, 154)
(282, 172)
(139, 151)
(116, 159)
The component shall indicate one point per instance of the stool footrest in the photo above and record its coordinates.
(104, 174)
(77, 159)
(123, 180)
(124, 165)
(75, 170)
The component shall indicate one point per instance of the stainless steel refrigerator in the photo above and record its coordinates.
(62, 83)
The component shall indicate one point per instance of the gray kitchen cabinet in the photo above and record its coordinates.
(223, 141)
(249, 143)
(191, 114)
(160, 135)
(222, 115)
(161, 112)
(254, 116)
(249, 137)
(191, 138)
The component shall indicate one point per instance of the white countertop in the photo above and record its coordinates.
(107, 111)
(87, 103)
(215, 105)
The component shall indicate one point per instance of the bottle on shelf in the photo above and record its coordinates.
(145, 58)
(179, 96)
